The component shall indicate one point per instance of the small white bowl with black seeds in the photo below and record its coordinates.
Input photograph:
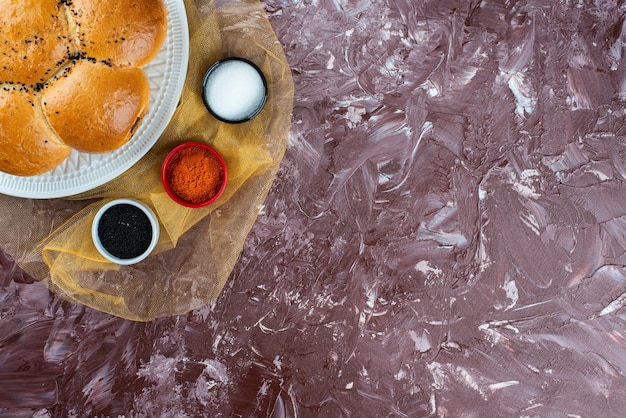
(125, 231)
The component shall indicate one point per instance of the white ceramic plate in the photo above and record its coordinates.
(81, 171)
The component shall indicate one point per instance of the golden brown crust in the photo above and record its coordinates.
(94, 107)
(27, 145)
(34, 40)
(103, 32)
(75, 68)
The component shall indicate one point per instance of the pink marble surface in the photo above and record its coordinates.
(445, 236)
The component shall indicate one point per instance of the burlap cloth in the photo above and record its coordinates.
(50, 239)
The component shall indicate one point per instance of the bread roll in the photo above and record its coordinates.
(71, 77)
(29, 146)
(34, 40)
(103, 31)
(95, 107)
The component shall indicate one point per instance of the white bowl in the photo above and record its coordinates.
(154, 223)
(234, 90)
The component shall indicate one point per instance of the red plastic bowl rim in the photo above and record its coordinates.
(168, 188)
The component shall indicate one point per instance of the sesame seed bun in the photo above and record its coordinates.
(104, 32)
(95, 107)
(29, 146)
(34, 40)
(71, 77)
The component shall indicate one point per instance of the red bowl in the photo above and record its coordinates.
(168, 188)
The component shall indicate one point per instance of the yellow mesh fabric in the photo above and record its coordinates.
(198, 248)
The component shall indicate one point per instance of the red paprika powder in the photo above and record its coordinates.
(195, 174)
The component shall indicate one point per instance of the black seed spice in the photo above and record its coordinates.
(125, 231)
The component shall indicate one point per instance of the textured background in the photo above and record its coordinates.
(445, 236)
